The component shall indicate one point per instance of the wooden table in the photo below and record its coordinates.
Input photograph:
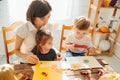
(23, 71)
(26, 69)
(93, 73)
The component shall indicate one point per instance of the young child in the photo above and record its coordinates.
(78, 42)
(43, 50)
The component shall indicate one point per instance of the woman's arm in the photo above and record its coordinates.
(29, 57)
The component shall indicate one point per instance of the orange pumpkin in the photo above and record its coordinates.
(110, 76)
(7, 72)
(104, 29)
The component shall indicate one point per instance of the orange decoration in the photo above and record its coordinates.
(104, 29)
(110, 76)
(75, 66)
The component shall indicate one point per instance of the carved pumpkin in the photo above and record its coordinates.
(7, 72)
(104, 29)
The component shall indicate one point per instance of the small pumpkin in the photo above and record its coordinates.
(104, 29)
(110, 76)
(7, 72)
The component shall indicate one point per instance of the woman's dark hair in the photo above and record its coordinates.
(38, 8)
(41, 37)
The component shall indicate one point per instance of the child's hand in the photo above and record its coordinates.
(92, 50)
(71, 47)
(59, 56)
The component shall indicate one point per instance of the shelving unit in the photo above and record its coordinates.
(95, 21)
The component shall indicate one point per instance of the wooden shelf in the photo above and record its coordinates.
(98, 32)
(105, 52)
(95, 21)
(110, 7)
(99, 52)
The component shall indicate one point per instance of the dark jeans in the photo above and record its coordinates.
(71, 54)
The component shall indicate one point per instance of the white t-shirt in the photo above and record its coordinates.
(28, 31)
(80, 44)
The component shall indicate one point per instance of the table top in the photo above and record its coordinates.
(47, 70)
(23, 71)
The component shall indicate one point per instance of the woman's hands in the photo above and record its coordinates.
(30, 58)
(92, 50)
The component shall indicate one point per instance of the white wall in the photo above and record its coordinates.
(4, 13)
(17, 9)
(10, 11)
(4, 20)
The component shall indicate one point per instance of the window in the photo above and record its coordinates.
(60, 9)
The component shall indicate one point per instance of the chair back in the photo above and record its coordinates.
(7, 41)
(63, 37)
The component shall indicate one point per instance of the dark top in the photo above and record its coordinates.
(50, 56)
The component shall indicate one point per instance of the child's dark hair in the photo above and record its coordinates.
(42, 36)
(38, 8)
(82, 23)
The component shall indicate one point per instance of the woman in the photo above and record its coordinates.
(38, 15)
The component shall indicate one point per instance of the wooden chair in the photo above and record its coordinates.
(64, 27)
(8, 41)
